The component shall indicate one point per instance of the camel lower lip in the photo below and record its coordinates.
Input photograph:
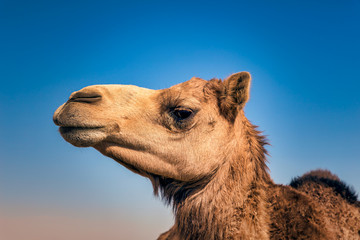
(70, 129)
(83, 136)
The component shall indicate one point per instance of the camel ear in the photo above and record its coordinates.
(236, 93)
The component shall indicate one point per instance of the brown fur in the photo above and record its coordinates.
(208, 161)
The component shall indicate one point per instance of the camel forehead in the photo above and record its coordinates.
(192, 85)
(191, 88)
(189, 93)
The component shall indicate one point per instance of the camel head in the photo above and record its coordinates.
(182, 132)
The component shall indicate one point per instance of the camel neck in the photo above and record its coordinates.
(233, 203)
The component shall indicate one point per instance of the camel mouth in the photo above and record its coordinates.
(66, 129)
(83, 136)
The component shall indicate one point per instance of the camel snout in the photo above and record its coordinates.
(56, 115)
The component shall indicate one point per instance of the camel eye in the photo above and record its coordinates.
(179, 119)
(181, 113)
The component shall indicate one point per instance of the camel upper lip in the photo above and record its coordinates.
(74, 124)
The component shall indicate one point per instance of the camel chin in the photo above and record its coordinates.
(83, 136)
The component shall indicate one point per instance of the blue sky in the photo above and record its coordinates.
(304, 57)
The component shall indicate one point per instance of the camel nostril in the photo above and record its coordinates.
(85, 97)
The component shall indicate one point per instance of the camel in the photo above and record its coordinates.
(205, 159)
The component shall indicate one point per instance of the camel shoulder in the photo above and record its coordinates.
(294, 215)
(338, 201)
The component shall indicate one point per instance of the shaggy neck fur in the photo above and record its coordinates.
(234, 193)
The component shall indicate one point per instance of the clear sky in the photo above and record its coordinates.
(304, 57)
